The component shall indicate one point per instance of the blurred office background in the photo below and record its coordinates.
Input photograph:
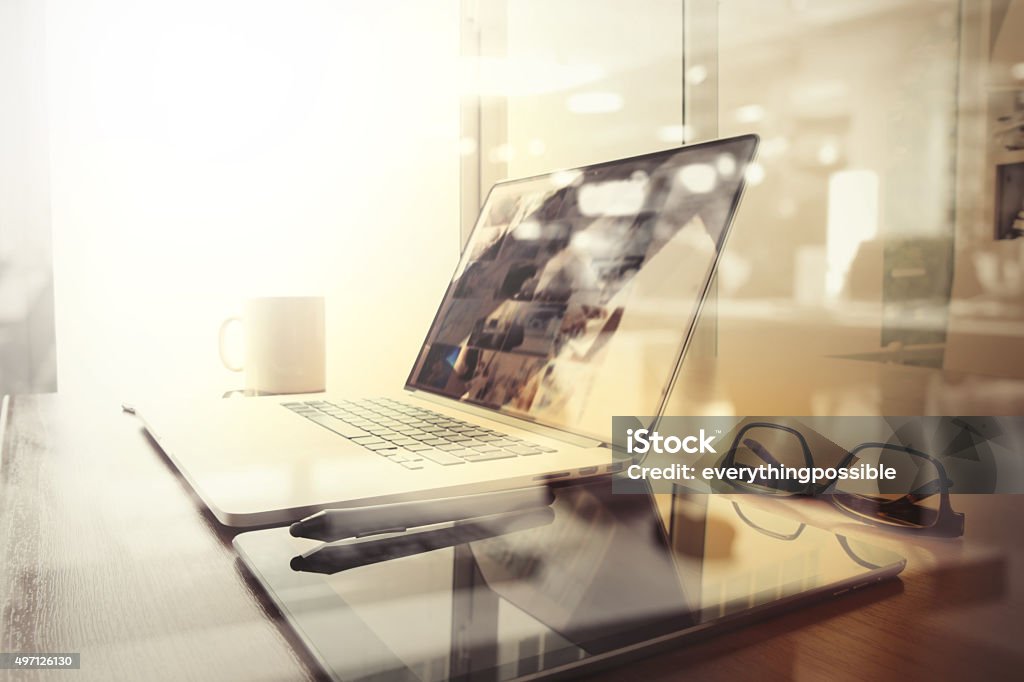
(173, 158)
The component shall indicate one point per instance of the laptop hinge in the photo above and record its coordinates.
(518, 422)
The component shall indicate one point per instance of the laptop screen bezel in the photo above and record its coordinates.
(666, 389)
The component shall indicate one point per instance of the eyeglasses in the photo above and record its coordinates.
(844, 542)
(925, 509)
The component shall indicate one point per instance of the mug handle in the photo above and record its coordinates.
(220, 343)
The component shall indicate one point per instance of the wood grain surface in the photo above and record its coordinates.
(105, 551)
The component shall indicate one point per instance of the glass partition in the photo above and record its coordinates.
(848, 234)
(553, 84)
(556, 84)
(880, 221)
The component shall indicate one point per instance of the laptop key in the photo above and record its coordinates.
(426, 437)
(440, 457)
(336, 425)
(403, 456)
(488, 456)
(379, 446)
(412, 465)
(368, 440)
(522, 449)
(461, 453)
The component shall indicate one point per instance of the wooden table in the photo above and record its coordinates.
(105, 551)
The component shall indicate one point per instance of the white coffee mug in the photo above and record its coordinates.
(284, 344)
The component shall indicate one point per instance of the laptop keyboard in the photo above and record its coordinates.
(412, 436)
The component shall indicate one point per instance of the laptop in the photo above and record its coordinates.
(574, 300)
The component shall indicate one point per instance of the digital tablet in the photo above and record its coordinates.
(604, 578)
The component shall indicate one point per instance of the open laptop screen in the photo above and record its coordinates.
(578, 290)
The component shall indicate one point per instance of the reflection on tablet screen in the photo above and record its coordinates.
(609, 572)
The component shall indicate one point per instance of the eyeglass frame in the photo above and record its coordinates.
(790, 537)
(948, 523)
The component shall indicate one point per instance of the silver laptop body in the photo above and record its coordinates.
(574, 300)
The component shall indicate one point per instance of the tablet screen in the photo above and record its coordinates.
(606, 573)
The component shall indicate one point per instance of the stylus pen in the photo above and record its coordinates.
(331, 559)
(337, 524)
